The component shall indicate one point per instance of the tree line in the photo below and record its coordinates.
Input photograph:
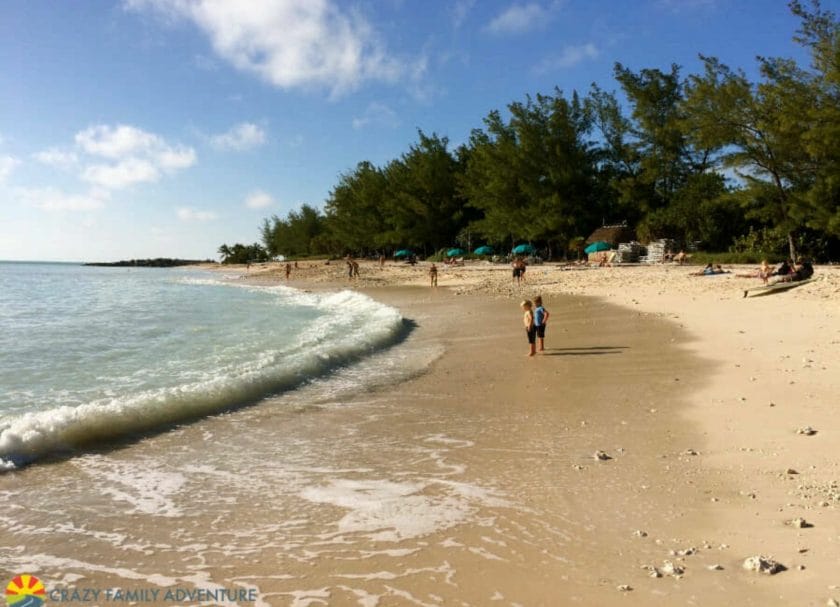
(712, 159)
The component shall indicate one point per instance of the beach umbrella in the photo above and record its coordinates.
(454, 252)
(597, 246)
(523, 248)
(402, 253)
(485, 250)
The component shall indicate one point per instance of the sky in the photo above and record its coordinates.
(165, 128)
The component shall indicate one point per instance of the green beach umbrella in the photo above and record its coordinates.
(454, 252)
(523, 248)
(402, 253)
(597, 246)
(485, 250)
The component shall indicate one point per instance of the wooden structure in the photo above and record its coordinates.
(612, 235)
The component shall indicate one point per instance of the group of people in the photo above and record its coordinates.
(788, 271)
(535, 320)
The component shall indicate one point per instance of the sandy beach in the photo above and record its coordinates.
(706, 418)
(468, 475)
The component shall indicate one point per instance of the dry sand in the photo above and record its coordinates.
(703, 424)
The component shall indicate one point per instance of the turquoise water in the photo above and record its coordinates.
(90, 353)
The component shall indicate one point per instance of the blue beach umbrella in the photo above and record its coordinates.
(597, 246)
(523, 249)
(454, 252)
(485, 250)
(402, 253)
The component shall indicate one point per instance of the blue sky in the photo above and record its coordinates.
(146, 128)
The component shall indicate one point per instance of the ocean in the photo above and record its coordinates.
(91, 354)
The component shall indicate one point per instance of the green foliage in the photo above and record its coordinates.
(240, 253)
(533, 176)
(300, 234)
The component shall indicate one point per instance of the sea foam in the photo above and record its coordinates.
(351, 327)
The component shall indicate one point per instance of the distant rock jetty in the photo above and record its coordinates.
(160, 262)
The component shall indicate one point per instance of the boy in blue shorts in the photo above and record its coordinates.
(540, 320)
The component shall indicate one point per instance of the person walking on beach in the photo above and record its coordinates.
(433, 273)
(540, 319)
(288, 270)
(517, 270)
(530, 328)
(349, 268)
(355, 268)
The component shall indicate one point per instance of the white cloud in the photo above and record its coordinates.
(172, 159)
(190, 214)
(7, 165)
(56, 157)
(460, 10)
(376, 114)
(52, 199)
(519, 18)
(138, 156)
(259, 200)
(568, 57)
(287, 43)
(116, 142)
(122, 174)
(241, 137)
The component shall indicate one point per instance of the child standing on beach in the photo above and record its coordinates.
(530, 327)
(433, 272)
(540, 319)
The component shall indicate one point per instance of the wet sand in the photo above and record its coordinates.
(474, 482)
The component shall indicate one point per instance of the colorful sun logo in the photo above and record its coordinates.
(25, 591)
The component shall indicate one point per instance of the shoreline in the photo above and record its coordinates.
(771, 372)
(476, 481)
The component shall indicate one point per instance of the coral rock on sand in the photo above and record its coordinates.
(601, 456)
(669, 568)
(624, 588)
(799, 523)
(715, 567)
(763, 564)
(807, 431)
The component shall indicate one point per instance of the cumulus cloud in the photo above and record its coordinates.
(259, 200)
(7, 165)
(52, 199)
(519, 18)
(568, 57)
(137, 156)
(190, 214)
(241, 137)
(58, 158)
(287, 43)
(122, 174)
(377, 114)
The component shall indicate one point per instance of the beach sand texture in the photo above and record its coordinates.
(476, 482)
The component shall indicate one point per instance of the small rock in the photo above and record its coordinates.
(669, 568)
(763, 564)
(832, 603)
(639, 533)
(715, 567)
(807, 431)
(601, 456)
(624, 588)
(791, 471)
(690, 452)
(799, 523)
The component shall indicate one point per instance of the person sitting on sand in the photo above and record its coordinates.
(802, 270)
(763, 272)
(530, 327)
(784, 268)
(433, 275)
